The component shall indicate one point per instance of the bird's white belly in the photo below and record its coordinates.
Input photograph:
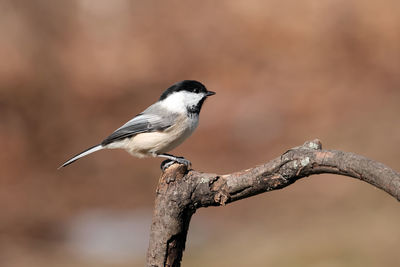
(152, 143)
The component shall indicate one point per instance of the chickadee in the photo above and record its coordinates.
(161, 127)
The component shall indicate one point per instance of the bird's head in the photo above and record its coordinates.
(185, 96)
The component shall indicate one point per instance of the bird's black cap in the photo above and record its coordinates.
(187, 85)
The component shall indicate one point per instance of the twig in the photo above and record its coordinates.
(181, 192)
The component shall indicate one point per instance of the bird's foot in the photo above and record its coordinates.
(184, 161)
(172, 159)
(166, 164)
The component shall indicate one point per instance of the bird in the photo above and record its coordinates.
(161, 127)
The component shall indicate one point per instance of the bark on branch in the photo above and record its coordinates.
(181, 192)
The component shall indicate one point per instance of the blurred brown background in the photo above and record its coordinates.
(285, 72)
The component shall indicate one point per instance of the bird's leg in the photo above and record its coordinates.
(171, 160)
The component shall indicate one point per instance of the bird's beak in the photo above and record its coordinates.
(210, 93)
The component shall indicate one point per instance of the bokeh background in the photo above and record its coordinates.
(285, 72)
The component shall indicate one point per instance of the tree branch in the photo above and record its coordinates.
(181, 192)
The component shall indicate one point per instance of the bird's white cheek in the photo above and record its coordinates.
(174, 103)
(194, 99)
(179, 101)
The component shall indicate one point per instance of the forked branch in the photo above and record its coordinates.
(181, 192)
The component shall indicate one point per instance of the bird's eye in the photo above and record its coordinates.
(196, 90)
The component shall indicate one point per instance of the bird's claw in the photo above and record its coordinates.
(168, 162)
(183, 161)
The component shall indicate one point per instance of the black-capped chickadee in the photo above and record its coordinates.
(161, 127)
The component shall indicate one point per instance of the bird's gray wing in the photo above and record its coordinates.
(152, 119)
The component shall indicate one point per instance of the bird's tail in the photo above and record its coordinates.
(82, 154)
